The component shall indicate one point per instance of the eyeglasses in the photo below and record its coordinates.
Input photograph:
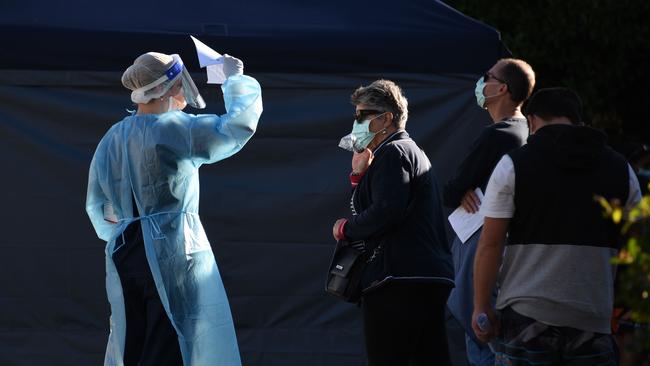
(489, 75)
(362, 114)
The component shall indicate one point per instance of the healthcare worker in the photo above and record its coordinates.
(168, 303)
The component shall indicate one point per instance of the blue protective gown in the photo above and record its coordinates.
(154, 159)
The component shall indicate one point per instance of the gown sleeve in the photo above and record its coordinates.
(96, 200)
(213, 137)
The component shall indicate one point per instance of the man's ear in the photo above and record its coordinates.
(388, 119)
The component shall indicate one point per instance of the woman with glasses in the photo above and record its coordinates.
(396, 219)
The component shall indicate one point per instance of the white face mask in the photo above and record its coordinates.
(478, 92)
(360, 137)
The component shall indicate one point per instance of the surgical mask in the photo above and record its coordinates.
(360, 137)
(478, 92)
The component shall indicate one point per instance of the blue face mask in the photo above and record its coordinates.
(478, 92)
(360, 137)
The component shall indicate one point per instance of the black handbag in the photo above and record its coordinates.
(344, 275)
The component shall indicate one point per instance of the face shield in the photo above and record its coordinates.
(159, 87)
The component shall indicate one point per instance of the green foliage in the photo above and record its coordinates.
(634, 284)
(633, 290)
(600, 48)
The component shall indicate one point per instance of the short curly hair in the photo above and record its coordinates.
(384, 95)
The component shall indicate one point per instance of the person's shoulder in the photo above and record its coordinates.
(492, 130)
(174, 120)
(175, 116)
(507, 132)
(614, 154)
(406, 150)
(114, 128)
(402, 145)
(509, 126)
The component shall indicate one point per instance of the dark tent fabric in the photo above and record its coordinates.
(282, 36)
(268, 210)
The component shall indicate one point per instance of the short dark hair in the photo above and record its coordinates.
(520, 78)
(555, 102)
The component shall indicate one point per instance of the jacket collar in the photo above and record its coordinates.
(397, 135)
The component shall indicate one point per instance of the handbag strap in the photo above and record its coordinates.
(360, 245)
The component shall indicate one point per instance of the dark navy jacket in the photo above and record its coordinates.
(400, 218)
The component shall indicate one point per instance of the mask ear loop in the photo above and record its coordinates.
(382, 131)
(497, 94)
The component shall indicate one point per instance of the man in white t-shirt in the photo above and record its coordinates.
(555, 278)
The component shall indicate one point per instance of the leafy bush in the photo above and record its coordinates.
(633, 284)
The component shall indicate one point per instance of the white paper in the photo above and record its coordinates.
(464, 223)
(215, 74)
(211, 60)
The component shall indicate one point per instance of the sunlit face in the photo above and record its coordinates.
(364, 112)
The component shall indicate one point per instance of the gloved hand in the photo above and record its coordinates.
(232, 66)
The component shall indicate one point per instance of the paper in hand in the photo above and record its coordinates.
(464, 223)
(211, 60)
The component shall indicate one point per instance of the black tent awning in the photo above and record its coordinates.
(279, 36)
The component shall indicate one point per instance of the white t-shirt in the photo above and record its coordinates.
(499, 199)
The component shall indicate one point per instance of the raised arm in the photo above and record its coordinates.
(214, 138)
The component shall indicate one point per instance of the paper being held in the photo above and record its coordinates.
(465, 224)
(211, 60)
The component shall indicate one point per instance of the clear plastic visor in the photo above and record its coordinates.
(161, 86)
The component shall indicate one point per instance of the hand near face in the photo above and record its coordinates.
(361, 161)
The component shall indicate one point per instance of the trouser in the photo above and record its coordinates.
(404, 324)
(478, 354)
(525, 341)
(461, 298)
(150, 337)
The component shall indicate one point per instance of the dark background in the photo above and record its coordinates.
(268, 210)
(601, 49)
